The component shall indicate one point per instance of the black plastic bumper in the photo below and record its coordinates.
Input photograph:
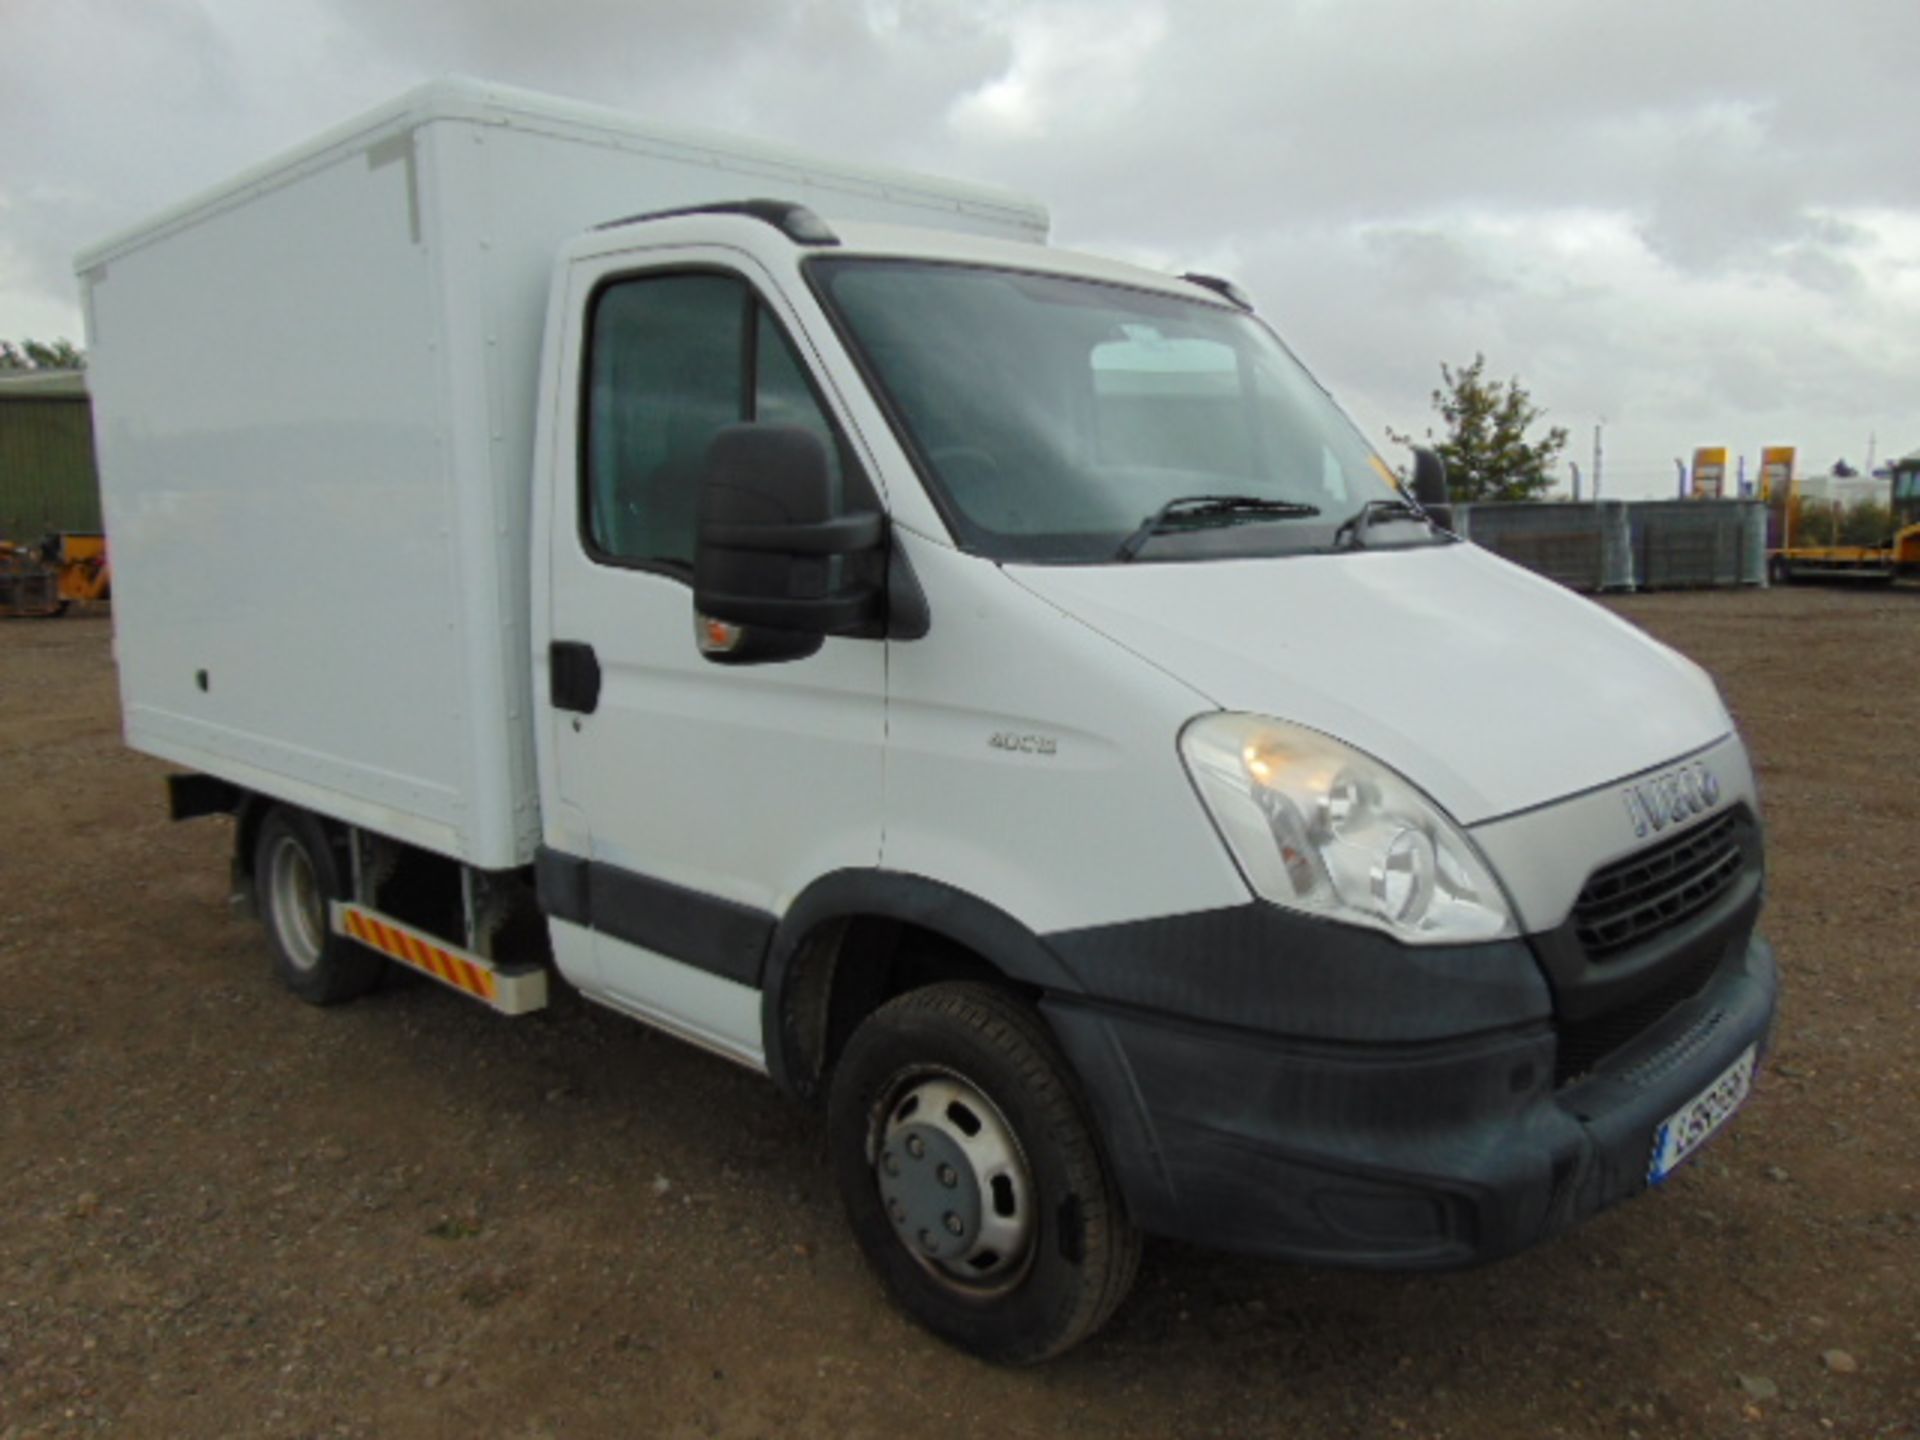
(1403, 1153)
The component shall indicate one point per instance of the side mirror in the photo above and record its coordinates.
(1430, 486)
(770, 553)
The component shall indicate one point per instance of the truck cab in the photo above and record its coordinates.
(1382, 902)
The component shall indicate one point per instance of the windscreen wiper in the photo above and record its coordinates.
(1353, 530)
(1185, 510)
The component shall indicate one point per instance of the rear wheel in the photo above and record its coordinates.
(296, 873)
(970, 1173)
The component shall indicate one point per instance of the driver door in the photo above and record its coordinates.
(707, 795)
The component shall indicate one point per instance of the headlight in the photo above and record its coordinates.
(1319, 827)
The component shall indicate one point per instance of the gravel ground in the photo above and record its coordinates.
(223, 1212)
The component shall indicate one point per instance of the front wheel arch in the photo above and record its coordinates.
(859, 912)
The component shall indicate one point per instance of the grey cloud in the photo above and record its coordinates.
(873, 78)
(1817, 267)
(1429, 265)
(1653, 212)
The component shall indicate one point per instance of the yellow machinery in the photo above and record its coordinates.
(45, 578)
(1894, 557)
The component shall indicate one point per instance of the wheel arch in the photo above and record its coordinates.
(870, 917)
(250, 812)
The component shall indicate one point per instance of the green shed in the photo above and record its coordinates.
(47, 475)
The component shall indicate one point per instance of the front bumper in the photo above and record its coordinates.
(1405, 1153)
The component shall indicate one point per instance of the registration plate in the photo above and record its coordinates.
(1688, 1127)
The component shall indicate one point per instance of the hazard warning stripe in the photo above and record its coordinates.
(411, 949)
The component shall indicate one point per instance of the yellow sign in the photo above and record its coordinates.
(1776, 471)
(1709, 472)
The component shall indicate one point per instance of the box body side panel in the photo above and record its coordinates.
(272, 421)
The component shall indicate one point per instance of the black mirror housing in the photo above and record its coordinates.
(768, 541)
(1430, 486)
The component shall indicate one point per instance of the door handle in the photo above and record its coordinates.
(573, 676)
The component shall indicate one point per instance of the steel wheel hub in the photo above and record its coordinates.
(954, 1183)
(298, 915)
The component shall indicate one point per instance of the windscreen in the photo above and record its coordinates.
(1054, 415)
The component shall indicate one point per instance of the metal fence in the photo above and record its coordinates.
(1584, 547)
(1627, 544)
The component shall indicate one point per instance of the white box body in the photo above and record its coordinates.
(314, 393)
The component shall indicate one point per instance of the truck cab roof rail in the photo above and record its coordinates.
(1221, 286)
(797, 222)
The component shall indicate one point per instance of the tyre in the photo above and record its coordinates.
(969, 1169)
(1779, 572)
(296, 872)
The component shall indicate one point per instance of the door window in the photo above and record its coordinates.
(672, 360)
(782, 396)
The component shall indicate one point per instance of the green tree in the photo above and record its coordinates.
(1486, 448)
(1867, 522)
(42, 355)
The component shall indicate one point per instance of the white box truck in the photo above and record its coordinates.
(993, 690)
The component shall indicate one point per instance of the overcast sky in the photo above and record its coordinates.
(1698, 221)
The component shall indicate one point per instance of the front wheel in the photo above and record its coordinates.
(970, 1173)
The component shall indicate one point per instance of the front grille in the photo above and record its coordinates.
(1632, 900)
(1585, 1043)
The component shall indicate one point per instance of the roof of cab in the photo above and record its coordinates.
(912, 242)
(869, 239)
